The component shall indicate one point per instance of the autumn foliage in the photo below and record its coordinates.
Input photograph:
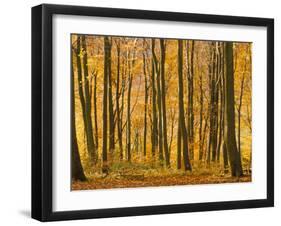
(152, 112)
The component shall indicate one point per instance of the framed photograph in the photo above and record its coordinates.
(146, 112)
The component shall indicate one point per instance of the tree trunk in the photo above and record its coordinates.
(224, 149)
(235, 162)
(77, 172)
(163, 88)
(95, 112)
(179, 145)
(204, 149)
(190, 88)
(172, 131)
(105, 97)
(239, 109)
(130, 78)
(211, 102)
(187, 165)
(122, 109)
(212, 105)
(225, 157)
(154, 141)
(220, 125)
(110, 103)
(118, 94)
(89, 126)
(159, 103)
(80, 86)
(220, 102)
(216, 96)
(145, 105)
(129, 118)
(201, 117)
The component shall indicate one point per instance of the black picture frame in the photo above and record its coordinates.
(42, 107)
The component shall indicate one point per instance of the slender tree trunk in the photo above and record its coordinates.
(154, 141)
(235, 162)
(80, 85)
(220, 125)
(159, 103)
(215, 102)
(204, 149)
(217, 90)
(77, 172)
(163, 88)
(95, 112)
(172, 131)
(219, 102)
(201, 117)
(110, 103)
(239, 109)
(213, 105)
(216, 96)
(105, 97)
(224, 149)
(190, 78)
(89, 125)
(145, 104)
(122, 108)
(187, 165)
(179, 145)
(225, 157)
(129, 118)
(118, 94)
(130, 79)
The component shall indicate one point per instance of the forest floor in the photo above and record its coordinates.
(135, 177)
(109, 182)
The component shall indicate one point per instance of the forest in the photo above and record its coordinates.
(159, 112)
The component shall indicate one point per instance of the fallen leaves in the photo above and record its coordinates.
(152, 181)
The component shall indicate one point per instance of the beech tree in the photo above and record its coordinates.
(190, 88)
(183, 132)
(229, 135)
(145, 99)
(163, 99)
(77, 172)
(105, 96)
(89, 125)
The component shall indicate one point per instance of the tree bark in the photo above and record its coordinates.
(229, 136)
(213, 104)
(105, 97)
(80, 85)
(122, 109)
(163, 88)
(159, 103)
(220, 101)
(89, 125)
(110, 102)
(128, 138)
(224, 149)
(190, 88)
(77, 172)
(240, 108)
(179, 145)
(225, 156)
(118, 94)
(154, 141)
(95, 112)
(145, 104)
(187, 165)
(201, 116)
(129, 119)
